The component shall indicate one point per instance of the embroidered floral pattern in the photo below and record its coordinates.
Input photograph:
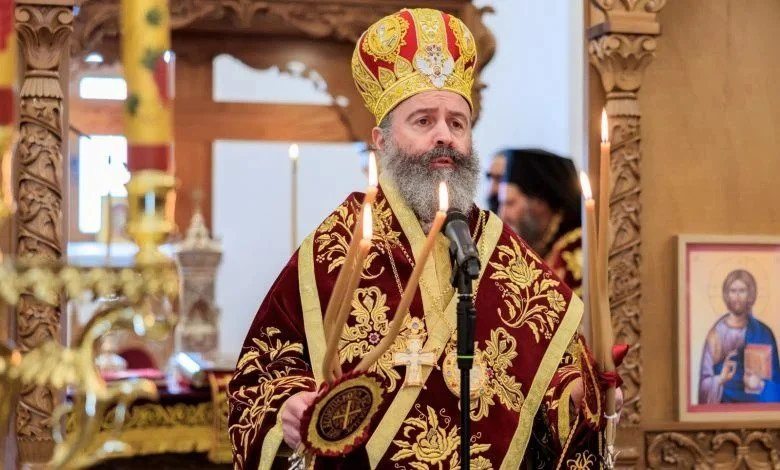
(529, 294)
(431, 445)
(582, 461)
(369, 310)
(334, 235)
(499, 352)
(277, 365)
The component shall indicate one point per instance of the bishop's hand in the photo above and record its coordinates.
(292, 412)
(578, 395)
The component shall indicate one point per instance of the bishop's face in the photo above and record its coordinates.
(429, 141)
(433, 119)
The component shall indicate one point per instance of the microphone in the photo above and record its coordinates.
(456, 228)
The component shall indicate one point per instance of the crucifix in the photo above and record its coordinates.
(413, 357)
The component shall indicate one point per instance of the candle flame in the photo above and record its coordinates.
(16, 357)
(293, 152)
(372, 178)
(368, 223)
(444, 197)
(604, 126)
(585, 183)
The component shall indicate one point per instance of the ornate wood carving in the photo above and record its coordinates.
(621, 59)
(651, 6)
(96, 30)
(745, 448)
(44, 29)
(320, 19)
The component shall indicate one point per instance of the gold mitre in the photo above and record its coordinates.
(412, 51)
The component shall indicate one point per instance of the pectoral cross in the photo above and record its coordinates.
(414, 358)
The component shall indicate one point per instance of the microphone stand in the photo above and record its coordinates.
(467, 316)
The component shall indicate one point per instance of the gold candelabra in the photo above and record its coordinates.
(130, 289)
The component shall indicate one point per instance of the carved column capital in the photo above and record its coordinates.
(623, 41)
(629, 6)
(44, 28)
(621, 60)
(43, 31)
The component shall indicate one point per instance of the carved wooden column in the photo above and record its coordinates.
(622, 43)
(44, 27)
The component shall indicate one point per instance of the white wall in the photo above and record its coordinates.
(251, 214)
(530, 90)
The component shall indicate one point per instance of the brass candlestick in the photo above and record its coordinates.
(147, 192)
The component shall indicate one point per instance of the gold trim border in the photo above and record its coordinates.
(552, 357)
(438, 336)
(564, 417)
(315, 341)
(312, 310)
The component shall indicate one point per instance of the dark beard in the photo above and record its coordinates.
(738, 308)
(418, 183)
(530, 230)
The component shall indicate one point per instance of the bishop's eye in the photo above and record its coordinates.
(423, 121)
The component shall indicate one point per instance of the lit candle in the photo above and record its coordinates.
(603, 203)
(146, 60)
(411, 286)
(330, 367)
(591, 263)
(337, 295)
(372, 179)
(293, 153)
(601, 324)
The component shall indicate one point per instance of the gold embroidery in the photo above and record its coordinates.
(464, 40)
(433, 445)
(568, 367)
(527, 291)
(277, 366)
(332, 244)
(541, 382)
(573, 261)
(582, 461)
(572, 258)
(489, 375)
(369, 309)
(385, 37)
(382, 44)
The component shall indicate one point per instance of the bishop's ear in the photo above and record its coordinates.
(378, 137)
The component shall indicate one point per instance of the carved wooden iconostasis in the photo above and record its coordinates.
(688, 89)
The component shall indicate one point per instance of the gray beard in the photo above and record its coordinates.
(418, 183)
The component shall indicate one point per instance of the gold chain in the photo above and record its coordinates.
(438, 303)
(438, 299)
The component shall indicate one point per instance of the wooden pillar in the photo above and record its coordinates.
(621, 44)
(44, 28)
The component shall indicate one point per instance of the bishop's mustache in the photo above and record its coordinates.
(458, 159)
